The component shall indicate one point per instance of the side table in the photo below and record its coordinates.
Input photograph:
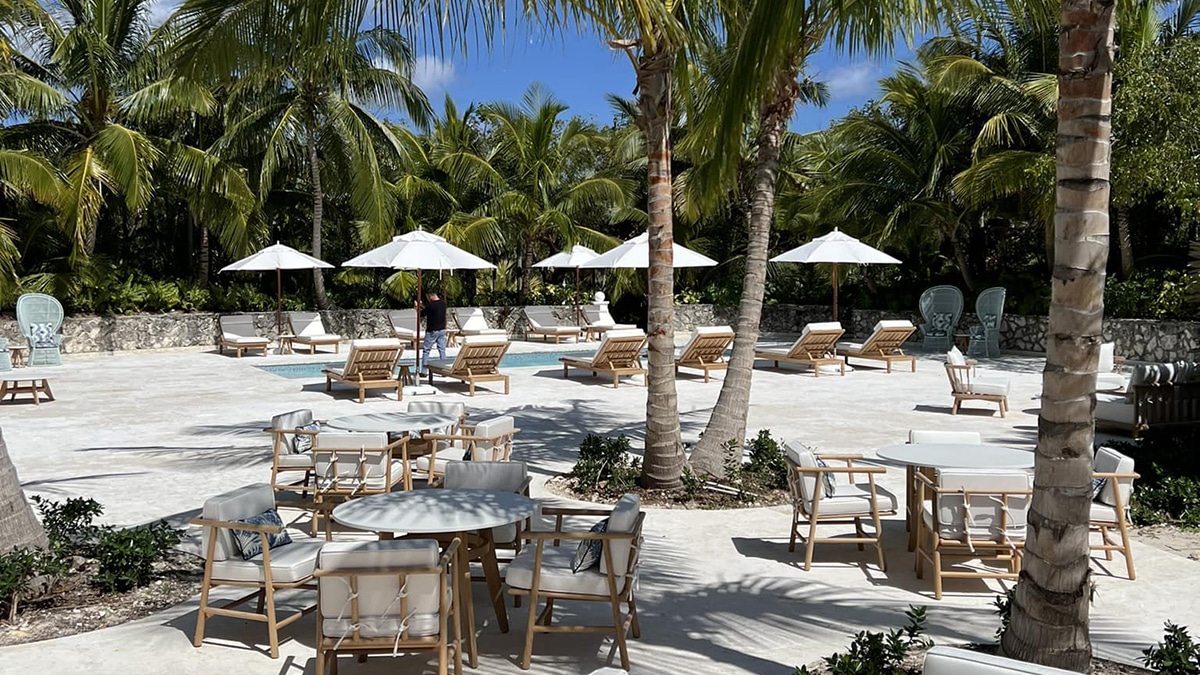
(11, 385)
(19, 355)
(285, 343)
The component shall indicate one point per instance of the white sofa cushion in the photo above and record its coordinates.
(1108, 460)
(950, 661)
(289, 564)
(990, 386)
(379, 597)
(556, 572)
(1114, 408)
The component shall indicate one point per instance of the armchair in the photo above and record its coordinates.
(40, 319)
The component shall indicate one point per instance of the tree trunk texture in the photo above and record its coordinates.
(1050, 609)
(962, 258)
(205, 255)
(726, 431)
(1123, 241)
(526, 271)
(314, 168)
(19, 528)
(662, 465)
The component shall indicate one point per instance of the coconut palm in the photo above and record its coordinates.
(111, 73)
(19, 528)
(304, 79)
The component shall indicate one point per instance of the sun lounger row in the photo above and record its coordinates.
(819, 345)
(238, 332)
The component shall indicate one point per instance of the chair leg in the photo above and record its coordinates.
(634, 629)
(272, 625)
(527, 655)
(858, 531)
(1126, 550)
(202, 614)
(619, 634)
(812, 541)
(879, 540)
(795, 524)
(937, 573)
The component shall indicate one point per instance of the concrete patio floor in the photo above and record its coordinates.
(151, 435)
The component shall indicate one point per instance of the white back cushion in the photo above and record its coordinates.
(623, 333)
(956, 437)
(892, 323)
(802, 456)
(491, 428)
(955, 357)
(470, 318)
(505, 476)
(1110, 461)
(713, 330)
(383, 604)
(980, 514)
(307, 323)
(238, 504)
(821, 325)
(484, 340)
(1107, 361)
(624, 517)
(375, 342)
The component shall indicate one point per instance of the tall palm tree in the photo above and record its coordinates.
(1050, 608)
(114, 82)
(304, 81)
(19, 528)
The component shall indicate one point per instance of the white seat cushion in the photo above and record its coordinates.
(562, 330)
(990, 386)
(301, 460)
(422, 462)
(1111, 382)
(556, 572)
(326, 337)
(856, 499)
(1103, 513)
(440, 363)
(1114, 408)
(950, 661)
(234, 339)
(289, 563)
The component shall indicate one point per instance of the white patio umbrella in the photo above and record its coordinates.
(419, 250)
(635, 253)
(277, 257)
(836, 247)
(571, 260)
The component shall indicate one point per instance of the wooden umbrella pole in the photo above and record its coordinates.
(418, 357)
(835, 285)
(278, 300)
(578, 318)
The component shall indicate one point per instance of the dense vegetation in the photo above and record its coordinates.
(134, 164)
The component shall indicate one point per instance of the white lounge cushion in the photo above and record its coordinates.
(439, 363)
(559, 330)
(377, 342)
(289, 563)
(849, 346)
(1108, 460)
(1114, 408)
(324, 337)
(956, 437)
(820, 325)
(556, 572)
(1103, 513)
(950, 661)
(856, 499)
(990, 386)
(302, 460)
(624, 333)
(239, 340)
(379, 603)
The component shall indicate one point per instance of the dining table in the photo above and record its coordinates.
(442, 513)
(926, 457)
(393, 422)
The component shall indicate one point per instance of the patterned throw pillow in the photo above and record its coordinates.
(304, 442)
(1098, 487)
(587, 555)
(42, 335)
(940, 323)
(990, 320)
(250, 542)
(829, 480)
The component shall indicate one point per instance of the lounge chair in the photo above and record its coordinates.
(965, 387)
(371, 364)
(40, 319)
(813, 348)
(941, 308)
(308, 330)
(619, 354)
(1110, 507)
(705, 350)
(599, 321)
(403, 323)
(883, 344)
(543, 322)
(239, 334)
(985, 338)
(471, 321)
(478, 360)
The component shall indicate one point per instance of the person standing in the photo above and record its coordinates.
(434, 312)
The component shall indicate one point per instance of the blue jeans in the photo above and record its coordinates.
(433, 337)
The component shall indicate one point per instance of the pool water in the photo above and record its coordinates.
(309, 371)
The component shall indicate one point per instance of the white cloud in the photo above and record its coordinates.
(854, 80)
(161, 9)
(433, 75)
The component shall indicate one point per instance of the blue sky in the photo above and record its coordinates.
(581, 70)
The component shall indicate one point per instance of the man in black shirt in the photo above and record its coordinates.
(434, 312)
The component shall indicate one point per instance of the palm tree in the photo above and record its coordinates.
(303, 79)
(542, 186)
(1050, 608)
(111, 73)
(19, 528)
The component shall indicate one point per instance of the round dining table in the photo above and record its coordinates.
(458, 513)
(393, 423)
(918, 457)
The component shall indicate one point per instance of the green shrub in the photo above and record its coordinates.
(161, 296)
(1177, 654)
(1003, 605)
(18, 567)
(70, 526)
(605, 467)
(193, 298)
(767, 463)
(1169, 488)
(879, 653)
(1148, 294)
(126, 557)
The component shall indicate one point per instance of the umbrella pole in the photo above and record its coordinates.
(418, 357)
(578, 319)
(835, 284)
(278, 300)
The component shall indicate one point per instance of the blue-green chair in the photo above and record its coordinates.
(40, 318)
(985, 338)
(941, 308)
(5, 356)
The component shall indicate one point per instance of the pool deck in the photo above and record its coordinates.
(152, 434)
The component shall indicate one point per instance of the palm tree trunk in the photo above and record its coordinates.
(1123, 241)
(526, 271)
(962, 257)
(726, 428)
(663, 463)
(1050, 609)
(314, 169)
(205, 255)
(19, 528)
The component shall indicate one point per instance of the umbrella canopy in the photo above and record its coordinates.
(635, 253)
(836, 247)
(277, 257)
(571, 260)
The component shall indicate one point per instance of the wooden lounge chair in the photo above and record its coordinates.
(478, 360)
(813, 348)
(307, 329)
(239, 334)
(403, 323)
(1110, 507)
(883, 344)
(706, 349)
(471, 321)
(619, 354)
(965, 387)
(371, 364)
(599, 320)
(543, 322)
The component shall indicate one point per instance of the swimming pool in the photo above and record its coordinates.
(310, 371)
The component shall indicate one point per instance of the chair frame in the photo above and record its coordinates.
(932, 299)
(328, 648)
(705, 352)
(265, 589)
(625, 361)
(501, 448)
(982, 338)
(623, 622)
(280, 446)
(801, 514)
(324, 498)
(816, 349)
(1006, 550)
(883, 345)
(476, 362)
(960, 388)
(370, 379)
(263, 343)
(312, 342)
(557, 331)
(1122, 524)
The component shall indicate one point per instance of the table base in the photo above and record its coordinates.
(36, 387)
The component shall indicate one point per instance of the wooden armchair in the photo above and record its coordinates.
(1110, 508)
(289, 432)
(486, 441)
(347, 465)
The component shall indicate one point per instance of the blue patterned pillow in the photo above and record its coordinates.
(42, 335)
(304, 442)
(1098, 487)
(940, 323)
(250, 542)
(990, 320)
(829, 479)
(588, 553)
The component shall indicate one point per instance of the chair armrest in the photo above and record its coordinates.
(574, 511)
(840, 469)
(459, 437)
(293, 432)
(232, 525)
(839, 457)
(1117, 476)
